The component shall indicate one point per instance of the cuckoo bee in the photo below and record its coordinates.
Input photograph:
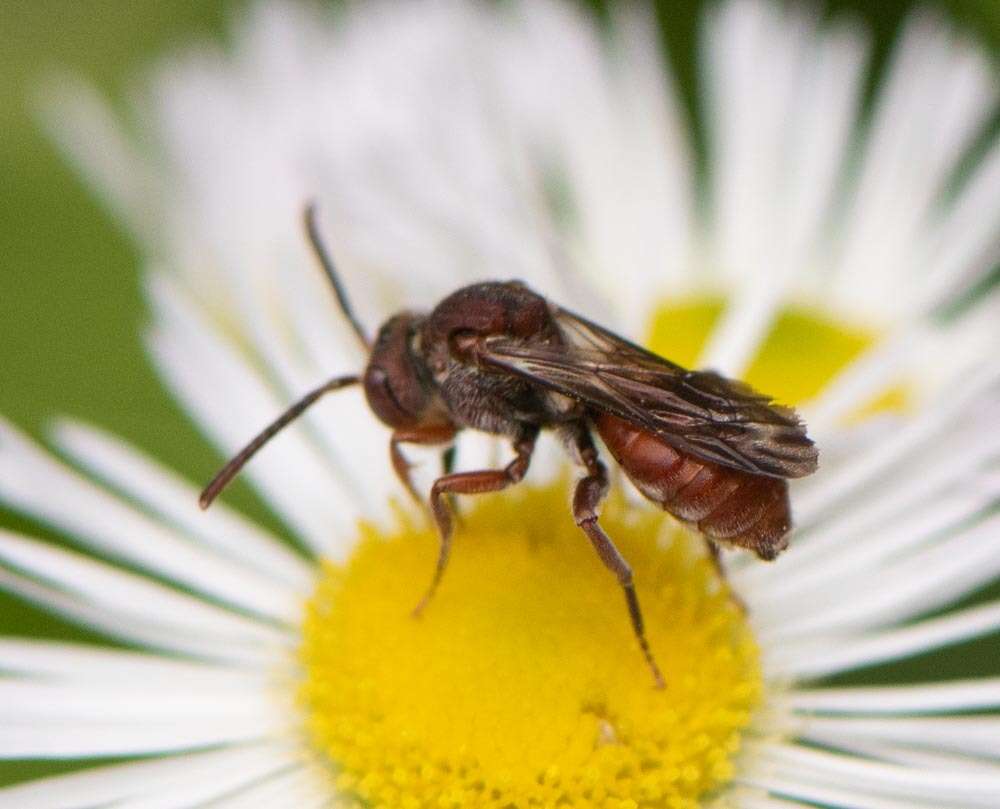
(497, 357)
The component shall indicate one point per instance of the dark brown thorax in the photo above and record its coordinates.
(488, 309)
(480, 397)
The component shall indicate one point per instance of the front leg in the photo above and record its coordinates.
(430, 435)
(590, 491)
(487, 480)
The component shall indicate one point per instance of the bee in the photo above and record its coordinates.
(500, 358)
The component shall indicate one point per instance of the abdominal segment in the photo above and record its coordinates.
(725, 504)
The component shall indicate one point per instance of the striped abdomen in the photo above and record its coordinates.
(724, 504)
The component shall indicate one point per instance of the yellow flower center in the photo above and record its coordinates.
(522, 684)
(801, 353)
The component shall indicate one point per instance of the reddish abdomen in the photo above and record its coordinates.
(724, 504)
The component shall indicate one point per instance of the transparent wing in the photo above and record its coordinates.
(700, 412)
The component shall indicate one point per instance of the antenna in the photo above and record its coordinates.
(312, 231)
(231, 469)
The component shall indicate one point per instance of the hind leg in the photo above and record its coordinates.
(715, 555)
(590, 491)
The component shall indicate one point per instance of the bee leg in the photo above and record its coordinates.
(431, 435)
(448, 460)
(715, 555)
(488, 480)
(448, 466)
(590, 491)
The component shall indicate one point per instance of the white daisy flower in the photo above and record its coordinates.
(827, 255)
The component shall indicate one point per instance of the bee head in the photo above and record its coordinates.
(395, 380)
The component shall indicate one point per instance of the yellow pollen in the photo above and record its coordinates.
(522, 684)
(801, 353)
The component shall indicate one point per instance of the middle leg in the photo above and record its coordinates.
(487, 480)
(590, 491)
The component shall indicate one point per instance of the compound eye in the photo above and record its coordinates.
(383, 400)
(396, 395)
(394, 386)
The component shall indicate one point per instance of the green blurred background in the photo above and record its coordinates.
(71, 309)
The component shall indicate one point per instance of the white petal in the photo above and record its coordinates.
(772, 79)
(809, 660)
(51, 661)
(628, 212)
(24, 702)
(855, 553)
(233, 404)
(130, 629)
(953, 479)
(942, 697)
(103, 738)
(927, 759)
(963, 247)
(831, 487)
(266, 323)
(99, 785)
(743, 155)
(936, 98)
(746, 799)
(128, 595)
(939, 575)
(861, 380)
(176, 501)
(639, 203)
(81, 123)
(744, 324)
(924, 559)
(972, 735)
(305, 787)
(794, 784)
(925, 356)
(344, 425)
(974, 788)
(751, 54)
(28, 480)
(829, 86)
(203, 792)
